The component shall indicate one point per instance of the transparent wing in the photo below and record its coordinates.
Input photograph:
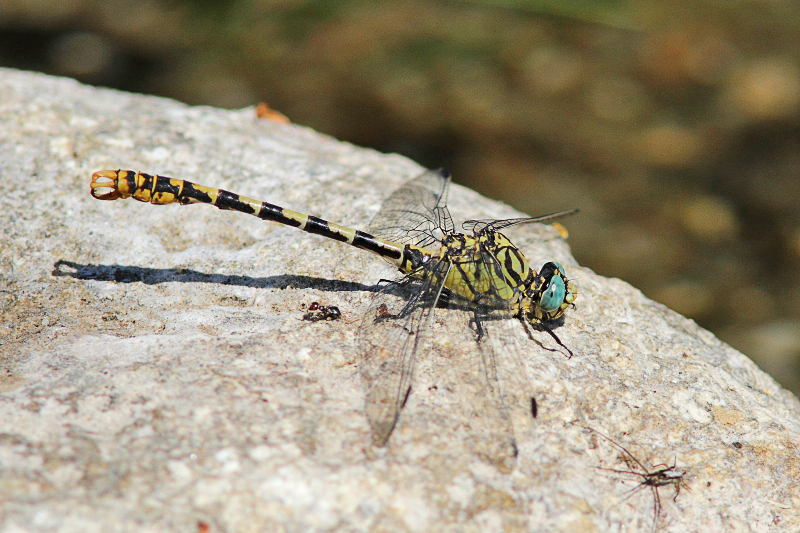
(391, 332)
(495, 400)
(482, 226)
(529, 234)
(417, 212)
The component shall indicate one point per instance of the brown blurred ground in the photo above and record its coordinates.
(675, 129)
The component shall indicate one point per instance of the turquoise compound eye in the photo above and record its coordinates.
(553, 296)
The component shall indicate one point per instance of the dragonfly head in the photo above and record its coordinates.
(553, 293)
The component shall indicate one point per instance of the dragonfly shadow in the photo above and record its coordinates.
(152, 276)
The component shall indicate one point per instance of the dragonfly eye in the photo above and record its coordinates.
(553, 295)
(553, 288)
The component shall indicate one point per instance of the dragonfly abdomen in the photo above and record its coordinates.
(162, 190)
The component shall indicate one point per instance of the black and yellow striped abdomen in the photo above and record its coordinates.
(161, 190)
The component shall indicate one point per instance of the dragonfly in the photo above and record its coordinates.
(478, 271)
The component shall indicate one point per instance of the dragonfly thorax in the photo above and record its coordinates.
(486, 269)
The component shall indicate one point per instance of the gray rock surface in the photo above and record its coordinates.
(157, 375)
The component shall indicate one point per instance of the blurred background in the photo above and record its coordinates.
(673, 126)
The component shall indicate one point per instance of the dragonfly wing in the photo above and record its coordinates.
(494, 402)
(484, 225)
(417, 212)
(392, 330)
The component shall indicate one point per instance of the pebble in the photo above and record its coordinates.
(767, 89)
(750, 304)
(617, 99)
(671, 145)
(709, 218)
(690, 298)
(775, 346)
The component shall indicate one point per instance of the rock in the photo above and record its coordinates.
(158, 376)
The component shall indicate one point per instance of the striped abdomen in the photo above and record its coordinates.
(165, 190)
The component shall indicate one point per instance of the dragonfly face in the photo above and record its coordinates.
(552, 294)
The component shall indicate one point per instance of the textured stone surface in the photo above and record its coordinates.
(157, 373)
